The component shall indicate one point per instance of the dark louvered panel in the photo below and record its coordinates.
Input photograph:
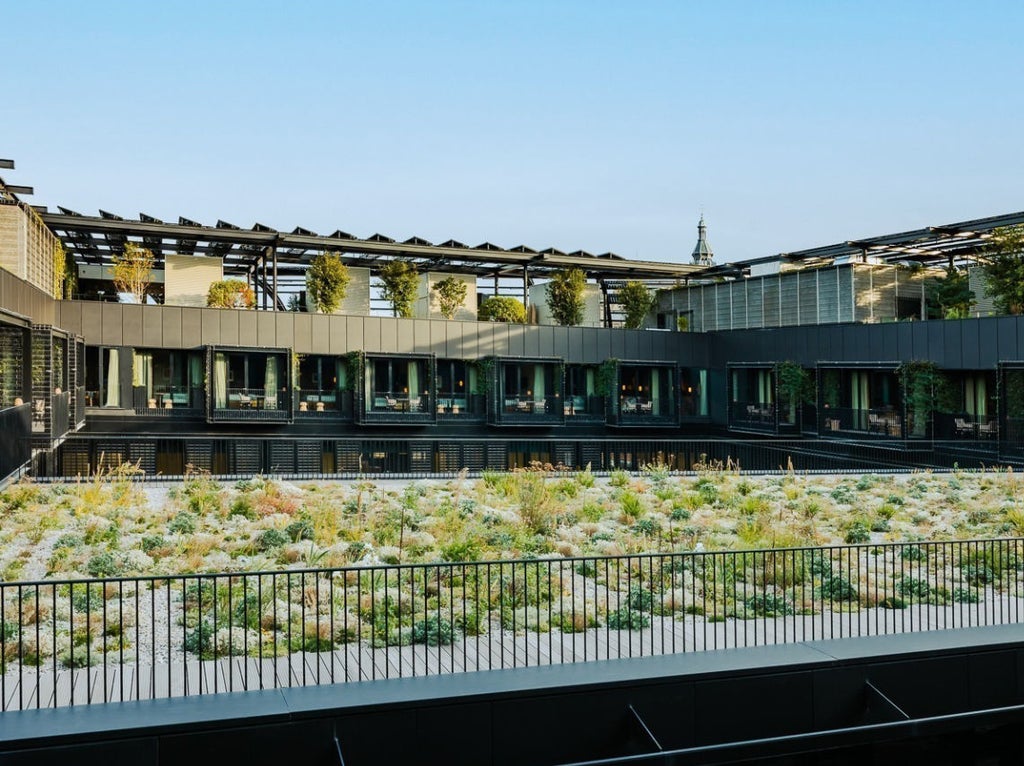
(590, 454)
(248, 456)
(497, 455)
(75, 458)
(282, 456)
(143, 454)
(310, 456)
(199, 456)
(348, 456)
(564, 454)
(421, 457)
(110, 454)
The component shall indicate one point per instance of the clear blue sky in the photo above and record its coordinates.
(594, 125)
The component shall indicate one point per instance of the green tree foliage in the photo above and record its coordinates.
(231, 294)
(451, 294)
(637, 301)
(400, 280)
(500, 308)
(327, 282)
(1004, 268)
(565, 296)
(133, 271)
(950, 296)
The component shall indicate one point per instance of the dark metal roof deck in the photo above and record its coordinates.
(94, 240)
(930, 246)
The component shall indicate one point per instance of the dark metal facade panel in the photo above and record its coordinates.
(563, 345)
(131, 320)
(229, 335)
(904, 341)
(938, 348)
(423, 336)
(336, 330)
(970, 344)
(266, 329)
(1009, 343)
(371, 334)
(285, 335)
(953, 346)
(532, 342)
(247, 328)
(405, 337)
(516, 341)
(113, 325)
(590, 351)
(618, 348)
(448, 336)
(211, 326)
(302, 341)
(355, 328)
(152, 329)
(170, 320)
(191, 328)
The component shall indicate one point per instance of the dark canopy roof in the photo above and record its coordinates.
(94, 240)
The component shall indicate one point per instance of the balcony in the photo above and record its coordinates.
(398, 408)
(172, 401)
(243, 405)
(530, 410)
(461, 407)
(643, 411)
(323, 405)
(584, 409)
(882, 423)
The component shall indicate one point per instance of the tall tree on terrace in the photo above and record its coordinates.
(133, 271)
(565, 296)
(1003, 262)
(399, 281)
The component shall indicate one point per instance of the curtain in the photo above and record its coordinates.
(702, 388)
(414, 382)
(195, 374)
(113, 379)
(270, 384)
(538, 383)
(339, 375)
(220, 381)
(142, 372)
(655, 392)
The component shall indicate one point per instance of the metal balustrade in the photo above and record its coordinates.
(73, 642)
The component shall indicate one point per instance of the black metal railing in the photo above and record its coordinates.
(882, 422)
(15, 447)
(76, 642)
(224, 455)
(461, 407)
(757, 416)
(323, 404)
(252, 404)
(171, 402)
(60, 414)
(530, 409)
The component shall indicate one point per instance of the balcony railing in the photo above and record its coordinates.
(398, 408)
(171, 401)
(311, 403)
(461, 406)
(84, 642)
(885, 423)
(983, 428)
(15, 448)
(530, 409)
(253, 404)
(645, 411)
(756, 416)
(584, 407)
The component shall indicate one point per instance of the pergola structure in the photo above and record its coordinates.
(946, 245)
(275, 261)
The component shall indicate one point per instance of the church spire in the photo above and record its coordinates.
(702, 255)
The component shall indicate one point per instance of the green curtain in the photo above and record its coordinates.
(655, 392)
(703, 389)
(538, 383)
(414, 381)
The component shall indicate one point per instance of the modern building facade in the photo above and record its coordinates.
(817, 344)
